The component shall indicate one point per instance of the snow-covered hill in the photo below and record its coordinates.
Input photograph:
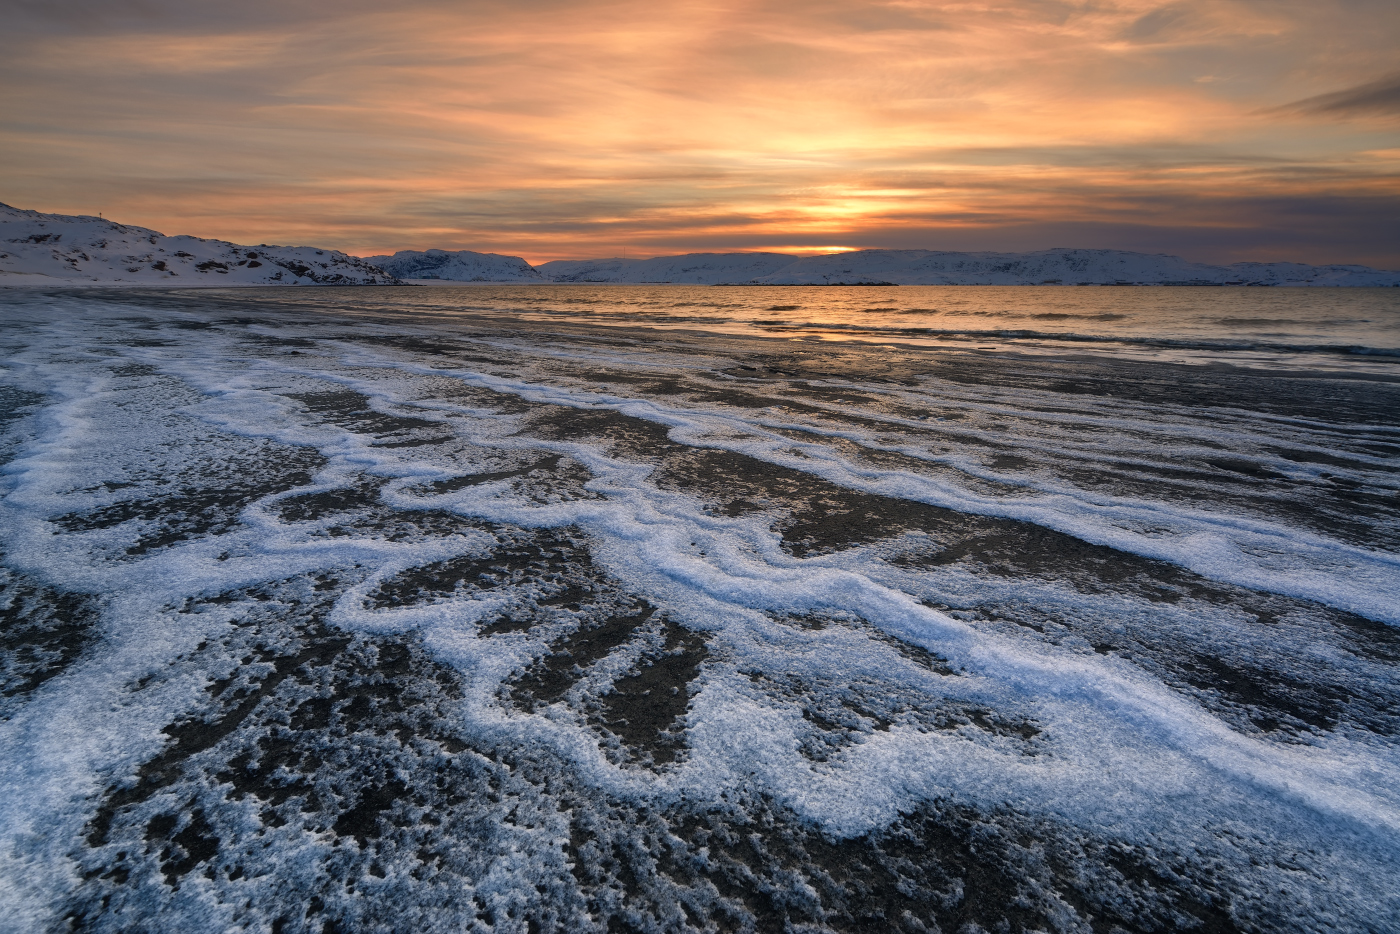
(691, 268)
(927, 267)
(456, 266)
(588, 270)
(1058, 267)
(39, 249)
(1303, 274)
(60, 249)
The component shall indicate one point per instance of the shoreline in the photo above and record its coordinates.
(616, 618)
(1255, 356)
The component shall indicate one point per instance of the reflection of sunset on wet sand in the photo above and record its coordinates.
(1222, 131)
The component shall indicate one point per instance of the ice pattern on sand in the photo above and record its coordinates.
(320, 621)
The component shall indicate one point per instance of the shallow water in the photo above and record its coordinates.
(455, 609)
(1347, 329)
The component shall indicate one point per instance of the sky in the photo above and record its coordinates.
(1220, 131)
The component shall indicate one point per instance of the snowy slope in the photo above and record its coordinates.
(1302, 274)
(691, 268)
(1051, 267)
(927, 267)
(589, 270)
(38, 249)
(456, 266)
(1058, 267)
(53, 249)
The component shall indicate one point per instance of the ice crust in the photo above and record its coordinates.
(179, 456)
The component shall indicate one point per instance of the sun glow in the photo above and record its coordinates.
(730, 125)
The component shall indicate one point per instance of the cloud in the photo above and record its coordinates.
(1150, 25)
(1374, 97)
(549, 128)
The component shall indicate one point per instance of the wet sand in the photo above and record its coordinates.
(331, 620)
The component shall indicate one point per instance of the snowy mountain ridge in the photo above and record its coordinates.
(456, 266)
(62, 249)
(52, 249)
(928, 267)
(692, 268)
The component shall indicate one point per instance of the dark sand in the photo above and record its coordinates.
(304, 776)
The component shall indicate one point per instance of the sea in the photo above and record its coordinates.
(623, 608)
(1337, 328)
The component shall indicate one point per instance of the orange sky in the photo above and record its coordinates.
(1224, 130)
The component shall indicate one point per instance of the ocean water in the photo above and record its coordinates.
(1332, 329)
(632, 608)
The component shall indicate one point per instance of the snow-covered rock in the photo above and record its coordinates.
(60, 249)
(928, 267)
(456, 266)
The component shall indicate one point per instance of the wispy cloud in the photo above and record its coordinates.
(1373, 97)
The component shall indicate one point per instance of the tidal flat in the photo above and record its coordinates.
(699, 609)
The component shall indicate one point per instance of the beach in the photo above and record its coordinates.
(648, 608)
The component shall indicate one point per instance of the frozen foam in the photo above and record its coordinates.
(1116, 750)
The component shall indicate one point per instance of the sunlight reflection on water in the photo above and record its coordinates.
(1348, 329)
